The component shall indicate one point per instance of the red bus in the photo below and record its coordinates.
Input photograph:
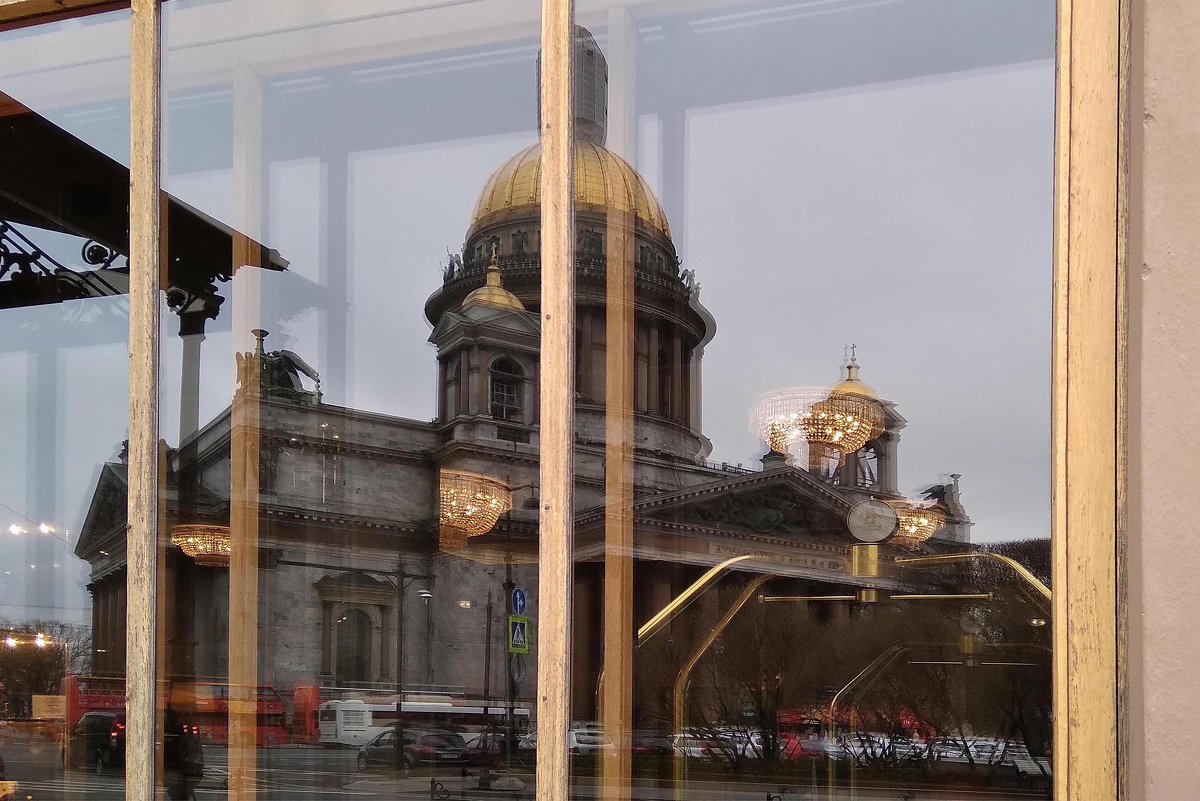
(85, 694)
(201, 703)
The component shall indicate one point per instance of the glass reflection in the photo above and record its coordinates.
(805, 607)
(351, 491)
(351, 393)
(63, 353)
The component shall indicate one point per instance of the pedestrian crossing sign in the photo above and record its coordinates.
(518, 634)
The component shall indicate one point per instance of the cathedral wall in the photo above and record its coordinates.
(651, 433)
(293, 614)
(459, 621)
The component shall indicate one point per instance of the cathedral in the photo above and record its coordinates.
(360, 584)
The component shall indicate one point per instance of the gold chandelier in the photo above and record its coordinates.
(208, 545)
(778, 418)
(832, 423)
(841, 424)
(916, 522)
(450, 538)
(469, 505)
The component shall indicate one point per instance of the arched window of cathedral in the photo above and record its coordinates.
(507, 379)
(866, 466)
(353, 647)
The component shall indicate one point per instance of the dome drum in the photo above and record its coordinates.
(657, 293)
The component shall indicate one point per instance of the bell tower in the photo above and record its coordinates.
(487, 353)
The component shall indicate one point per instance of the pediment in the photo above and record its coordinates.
(485, 321)
(107, 512)
(783, 502)
(772, 510)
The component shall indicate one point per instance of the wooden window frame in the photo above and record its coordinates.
(1088, 408)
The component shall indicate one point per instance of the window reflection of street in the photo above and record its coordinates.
(342, 556)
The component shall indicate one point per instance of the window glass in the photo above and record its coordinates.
(64, 348)
(348, 391)
(817, 238)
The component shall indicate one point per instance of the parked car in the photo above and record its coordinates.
(582, 740)
(485, 747)
(96, 741)
(651, 742)
(586, 741)
(1018, 757)
(905, 749)
(795, 746)
(699, 746)
(421, 747)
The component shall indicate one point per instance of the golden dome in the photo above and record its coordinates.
(603, 181)
(852, 384)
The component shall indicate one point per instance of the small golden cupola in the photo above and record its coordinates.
(852, 384)
(492, 294)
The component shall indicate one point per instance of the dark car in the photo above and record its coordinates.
(97, 740)
(651, 742)
(421, 747)
(487, 748)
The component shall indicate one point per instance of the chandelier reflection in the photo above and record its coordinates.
(916, 522)
(208, 545)
(450, 538)
(469, 505)
(832, 423)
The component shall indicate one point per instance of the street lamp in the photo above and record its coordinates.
(403, 580)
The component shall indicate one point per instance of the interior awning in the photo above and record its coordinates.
(53, 181)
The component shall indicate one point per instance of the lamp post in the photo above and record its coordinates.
(403, 580)
(509, 681)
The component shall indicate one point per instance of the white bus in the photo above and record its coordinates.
(355, 722)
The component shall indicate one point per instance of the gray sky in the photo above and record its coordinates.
(911, 217)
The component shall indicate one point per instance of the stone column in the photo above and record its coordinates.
(677, 406)
(326, 638)
(484, 406)
(652, 384)
(441, 391)
(585, 388)
(464, 382)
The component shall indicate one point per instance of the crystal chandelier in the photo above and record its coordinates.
(471, 504)
(778, 418)
(916, 522)
(450, 538)
(832, 423)
(208, 545)
(840, 424)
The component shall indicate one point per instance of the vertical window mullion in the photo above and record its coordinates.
(557, 401)
(144, 285)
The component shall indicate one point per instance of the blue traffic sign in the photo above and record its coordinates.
(518, 601)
